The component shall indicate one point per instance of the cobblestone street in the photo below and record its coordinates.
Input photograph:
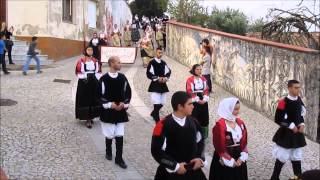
(41, 139)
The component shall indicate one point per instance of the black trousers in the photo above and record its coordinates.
(9, 48)
(3, 62)
(208, 78)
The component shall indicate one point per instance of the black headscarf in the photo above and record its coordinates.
(85, 51)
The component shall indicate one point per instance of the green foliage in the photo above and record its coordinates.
(257, 25)
(190, 11)
(148, 7)
(228, 20)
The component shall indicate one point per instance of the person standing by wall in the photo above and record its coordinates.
(32, 54)
(206, 66)
(159, 36)
(8, 41)
(2, 53)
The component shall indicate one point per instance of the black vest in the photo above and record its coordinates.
(114, 92)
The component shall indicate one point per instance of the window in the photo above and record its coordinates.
(67, 10)
(92, 14)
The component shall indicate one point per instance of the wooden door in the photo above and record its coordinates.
(3, 11)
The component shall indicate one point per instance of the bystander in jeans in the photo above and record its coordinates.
(2, 53)
(32, 54)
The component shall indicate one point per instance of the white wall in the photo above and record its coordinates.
(28, 17)
(120, 12)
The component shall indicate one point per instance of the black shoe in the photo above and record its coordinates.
(88, 124)
(39, 72)
(12, 63)
(24, 73)
(109, 157)
(121, 163)
(6, 72)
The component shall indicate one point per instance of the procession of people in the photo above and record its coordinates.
(178, 141)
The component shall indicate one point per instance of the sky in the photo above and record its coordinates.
(255, 9)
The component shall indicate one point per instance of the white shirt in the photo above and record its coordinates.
(207, 64)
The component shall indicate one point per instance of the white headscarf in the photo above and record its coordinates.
(226, 108)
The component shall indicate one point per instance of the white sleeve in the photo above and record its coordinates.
(229, 163)
(195, 99)
(82, 74)
(243, 156)
(206, 98)
(175, 170)
(292, 125)
(303, 111)
(107, 105)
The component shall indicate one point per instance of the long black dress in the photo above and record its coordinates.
(87, 106)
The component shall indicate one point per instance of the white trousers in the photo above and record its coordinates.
(111, 131)
(158, 98)
(284, 155)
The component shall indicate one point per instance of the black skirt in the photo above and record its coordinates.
(201, 113)
(87, 106)
(220, 172)
(157, 87)
(163, 174)
(285, 138)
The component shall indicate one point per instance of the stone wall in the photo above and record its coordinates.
(254, 70)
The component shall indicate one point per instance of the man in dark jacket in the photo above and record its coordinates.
(32, 54)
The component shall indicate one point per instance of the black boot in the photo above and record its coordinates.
(108, 149)
(119, 149)
(277, 170)
(155, 112)
(296, 166)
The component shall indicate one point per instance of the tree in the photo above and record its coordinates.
(285, 22)
(188, 11)
(256, 26)
(228, 20)
(148, 7)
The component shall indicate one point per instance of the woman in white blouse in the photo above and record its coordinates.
(230, 142)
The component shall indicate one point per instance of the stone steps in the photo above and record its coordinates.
(19, 52)
(21, 58)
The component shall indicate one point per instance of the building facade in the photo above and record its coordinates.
(63, 26)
